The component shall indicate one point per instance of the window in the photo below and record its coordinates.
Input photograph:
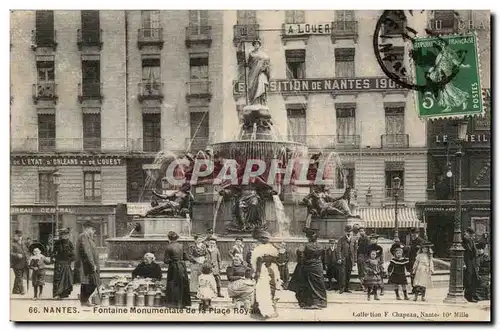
(46, 132)
(46, 187)
(394, 120)
(394, 59)
(151, 132)
(295, 63)
(198, 22)
(91, 131)
(199, 123)
(296, 115)
(90, 26)
(344, 15)
(198, 66)
(397, 23)
(346, 124)
(91, 78)
(393, 170)
(444, 19)
(92, 186)
(151, 76)
(151, 23)
(44, 22)
(295, 16)
(344, 62)
(246, 17)
(484, 123)
(345, 176)
(45, 79)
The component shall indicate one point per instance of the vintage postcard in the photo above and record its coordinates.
(250, 165)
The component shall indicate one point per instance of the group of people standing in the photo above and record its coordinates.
(477, 272)
(34, 258)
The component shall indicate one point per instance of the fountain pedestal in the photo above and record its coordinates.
(332, 227)
(160, 226)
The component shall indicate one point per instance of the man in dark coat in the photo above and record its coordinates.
(331, 262)
(415, 242)
(87, 262)
(362, 251)
(346, 247)
(471, 276)
(19, 262)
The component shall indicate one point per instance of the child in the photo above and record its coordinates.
(37, 264)
(397, 272)
(237, 248)
(373, 274)
(422, 270)
(207, 287)
(283, 259)
(214, 258)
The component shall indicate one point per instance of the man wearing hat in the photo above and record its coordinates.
(214, 259)
(346, 246)
(471, 277)
(19, 262)
(415, 243)
(331, 262)
(362, 253)
(484, 272)
(63, 255)
(87, 263)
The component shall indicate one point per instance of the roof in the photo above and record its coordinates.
(385, 217)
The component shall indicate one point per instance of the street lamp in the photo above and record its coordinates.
(396, 185)
(369, 196)
(56, 176)
(456, 287)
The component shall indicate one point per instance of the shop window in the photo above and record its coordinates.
(92, 186)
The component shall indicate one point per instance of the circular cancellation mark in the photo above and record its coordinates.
(395, 21)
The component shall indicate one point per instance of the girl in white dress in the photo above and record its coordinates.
(423, 268)
(207, 287)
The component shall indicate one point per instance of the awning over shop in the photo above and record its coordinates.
(384, 217)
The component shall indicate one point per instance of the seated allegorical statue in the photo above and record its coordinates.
(320, 203)
(177, 203)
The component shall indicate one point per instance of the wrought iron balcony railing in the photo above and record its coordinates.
(90, 91)
(348, 141)
(198, 34)
(150, 37)
(89, 38)
(390, 193)
(45, 196)
(245, 32)
(395, 140)
(45, 91)
(199, 89)
(68, 144)
(196, 144)
(150, 91)
(43, 39)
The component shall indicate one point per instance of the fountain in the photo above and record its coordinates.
(283, 199)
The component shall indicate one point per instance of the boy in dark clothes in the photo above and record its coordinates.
(283, 259)
(397, 269)
(331, 260)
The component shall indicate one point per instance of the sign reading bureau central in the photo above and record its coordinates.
(326, 85)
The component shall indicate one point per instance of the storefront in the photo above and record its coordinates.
(38, 223)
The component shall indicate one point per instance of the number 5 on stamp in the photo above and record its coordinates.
(449, 66)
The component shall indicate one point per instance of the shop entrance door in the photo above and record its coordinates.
(45, 232)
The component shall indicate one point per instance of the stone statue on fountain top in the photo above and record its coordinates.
(320, 203)
(256, 113)
(175, 204)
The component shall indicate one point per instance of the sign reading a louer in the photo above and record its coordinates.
(326, 85)
(298, 29)
(81, 160)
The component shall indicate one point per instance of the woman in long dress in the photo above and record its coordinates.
(197, 254)
(259, 74)
(308, 281)
(266, 275)
(63, 255)
(177, 291)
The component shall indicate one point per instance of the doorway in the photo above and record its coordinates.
(45, 231)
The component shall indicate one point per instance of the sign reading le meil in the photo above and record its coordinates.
(28, 160)
(450, 65)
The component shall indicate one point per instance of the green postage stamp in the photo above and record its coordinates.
(449, 66)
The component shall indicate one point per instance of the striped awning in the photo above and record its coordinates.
(384, 217)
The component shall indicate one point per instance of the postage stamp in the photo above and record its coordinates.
(250, 165)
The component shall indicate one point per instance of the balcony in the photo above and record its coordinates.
(439, 26)
(245, 33)
(46, 91)
(150, 37)
(348, 141)
(389, 193)
(46, 197)
(198, 34)
(51, 145)
(199, 90)
(146, 145)
(150, 91)
(313, 141)
(395, 140)
(90, 91)
(46, 144)
(91, 144)
(43, 39)
(345, 30)
(91, 38)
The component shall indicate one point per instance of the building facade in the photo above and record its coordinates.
(97, 94)
(68, 87)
